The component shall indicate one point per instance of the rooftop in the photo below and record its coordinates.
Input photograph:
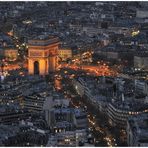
(139, 124)
(130, 105)
(43, 40)
(6, 131)
(79, 113)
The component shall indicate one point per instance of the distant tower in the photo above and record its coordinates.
(42, 55)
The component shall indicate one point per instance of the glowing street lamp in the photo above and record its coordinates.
(2, 66)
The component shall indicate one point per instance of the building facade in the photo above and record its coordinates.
(11, 54)
(141, 62)
(137, 130)
(64, 54)
(42, 55)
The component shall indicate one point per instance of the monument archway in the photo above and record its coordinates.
(36, 68)
(42, 53)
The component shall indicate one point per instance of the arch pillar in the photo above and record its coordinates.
(43, 66)
(31, 66)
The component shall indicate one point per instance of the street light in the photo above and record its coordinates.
(2, 66)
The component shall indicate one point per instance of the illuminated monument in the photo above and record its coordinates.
(42, 55)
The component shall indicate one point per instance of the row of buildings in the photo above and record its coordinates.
(115, 99)
(127, 55)
(71, 22)
(38, 114)
(11, 51)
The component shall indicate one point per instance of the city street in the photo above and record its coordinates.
(97, 122)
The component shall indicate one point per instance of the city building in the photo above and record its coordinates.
(33, 103)
(119, 111)
(97, 92)
(137, 130)
(65, 54)
(141, 61)
(69, 138)
(81, 121)
(11, 54)
(141, 13)
(72, 138)
(1, 53)
(141, 86)
(7, 132)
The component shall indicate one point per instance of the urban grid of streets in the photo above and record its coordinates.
(103, 134)
(106, 39)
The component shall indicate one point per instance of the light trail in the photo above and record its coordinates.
(102, 70)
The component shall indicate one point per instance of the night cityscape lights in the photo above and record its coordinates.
(74, 74)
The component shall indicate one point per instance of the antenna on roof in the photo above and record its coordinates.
(123, 97)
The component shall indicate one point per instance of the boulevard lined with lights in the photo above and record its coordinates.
(102, 70)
